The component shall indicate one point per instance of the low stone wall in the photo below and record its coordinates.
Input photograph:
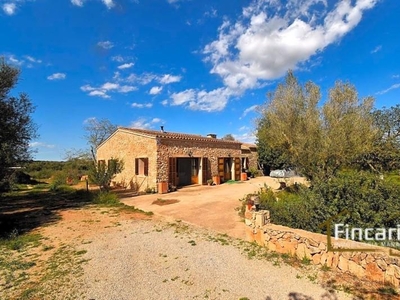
(378, 265)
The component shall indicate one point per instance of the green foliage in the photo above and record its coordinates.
(372, 202)
(17, 127)
(101, 173)
(106, 199)
(317, 139)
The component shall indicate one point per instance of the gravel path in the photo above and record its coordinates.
(160, 260)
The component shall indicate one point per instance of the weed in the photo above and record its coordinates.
(325, 268)
(305, 261)
(19, 242)
(193, 243)
(312, 277)
(388, 290)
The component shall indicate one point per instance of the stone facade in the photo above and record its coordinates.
(158, 147)
(376, 264)
(249, 151)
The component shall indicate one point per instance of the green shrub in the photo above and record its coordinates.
(107, 199)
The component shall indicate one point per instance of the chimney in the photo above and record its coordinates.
(162, 128)
(212, 135)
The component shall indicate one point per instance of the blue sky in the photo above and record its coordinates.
(193, 66)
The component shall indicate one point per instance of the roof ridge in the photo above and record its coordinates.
(166, 134)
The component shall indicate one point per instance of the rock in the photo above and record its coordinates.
(343, 263)
(267, 237)
(373, 272)
(302, 251)
(381, 264)
(271, 246)
(286, 247)
(314, 250)
(356, 269)
(329, 259)
(369, 259)
(323, 258)
(316, 259)
(393, 271)
(322, 246)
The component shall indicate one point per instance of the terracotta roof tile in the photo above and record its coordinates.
(176, 135)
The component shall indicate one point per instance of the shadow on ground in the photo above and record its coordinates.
(27, 210)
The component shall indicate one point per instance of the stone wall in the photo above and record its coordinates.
(180, 148)
(380, 266)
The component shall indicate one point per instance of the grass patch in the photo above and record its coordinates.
(20, 242)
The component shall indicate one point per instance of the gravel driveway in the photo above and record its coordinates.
(158, 260)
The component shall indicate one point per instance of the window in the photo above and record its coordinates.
(142, 166)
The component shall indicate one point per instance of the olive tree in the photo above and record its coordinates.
(17, 126)
(317, 138)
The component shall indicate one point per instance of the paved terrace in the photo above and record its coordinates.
(213, 207)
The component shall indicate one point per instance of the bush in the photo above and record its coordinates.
(372, 202)
(107, 199)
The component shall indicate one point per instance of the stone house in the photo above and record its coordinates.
(154, 157)
(249, 157)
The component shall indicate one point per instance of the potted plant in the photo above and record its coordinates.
(216, 179)
(210, 181)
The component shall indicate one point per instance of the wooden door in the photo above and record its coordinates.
(194, 170)
(237, 169)
(227, 169)
(173, 172)
(205, 170)
(221, 168)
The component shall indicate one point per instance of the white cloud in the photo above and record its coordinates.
(105, 45)
(99, 93)
(396, 76)
(263, 46)
(246, 137)
(168, 78)
(164, 102)
(214, 100)
(41, 145)
(144, 123)
(106, 88)
(393, 87)
(9, 8)
(109, 3)
(126, 88)
(126, 66)
(142, 105)
(212, 13)
(155, 90)
(117, 58)
(13, 60)
(377, 49)
(183, 97)
(77, 2)
(57, 76)
(249, 109)
(32, 59)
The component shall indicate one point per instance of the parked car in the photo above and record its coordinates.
(282, 173)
